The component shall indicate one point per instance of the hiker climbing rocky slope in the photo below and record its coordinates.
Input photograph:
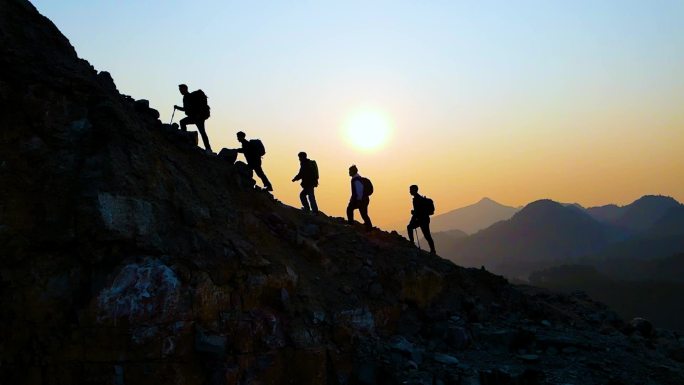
(129, 256)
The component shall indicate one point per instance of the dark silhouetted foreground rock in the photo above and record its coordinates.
(128, 256)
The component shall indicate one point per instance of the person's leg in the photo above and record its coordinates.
(411, 226)
(260, 173)
(425, 228)
(363, 209)
(350, 211)
(205, 138)
(312, 200)
(302, 198)
(184, 123)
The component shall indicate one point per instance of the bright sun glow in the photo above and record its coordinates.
(367, 129)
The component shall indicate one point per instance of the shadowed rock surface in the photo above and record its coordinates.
(128, 256)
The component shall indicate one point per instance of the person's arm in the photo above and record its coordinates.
(358, 189)
(179, 108)
(299, 174)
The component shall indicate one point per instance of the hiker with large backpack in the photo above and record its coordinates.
(423, 207)
(253, 150)
(361, 190)
(196, 110)
(308, 174)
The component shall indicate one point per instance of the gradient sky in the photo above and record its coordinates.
(576, 101)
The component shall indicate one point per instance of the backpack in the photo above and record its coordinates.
(314, 170)
(257, 147)
(199, 104)
(428, 206)
(367, 186)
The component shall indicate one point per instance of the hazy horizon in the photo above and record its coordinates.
(579, 103)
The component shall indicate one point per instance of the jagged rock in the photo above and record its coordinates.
(457, 338)
(401, 344)
(529, 358)
(106, 81)
(209, 343)
(445, 359)
(642, 326)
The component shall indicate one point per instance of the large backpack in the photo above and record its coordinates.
(199, 104)
(313, 170)
(367, 186)
(257, 147)
(428, 206)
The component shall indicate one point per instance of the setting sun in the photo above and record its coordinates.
(367, 129)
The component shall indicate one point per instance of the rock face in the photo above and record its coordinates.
(128, 256)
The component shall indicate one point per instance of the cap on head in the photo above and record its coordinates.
(353, 170)
(302, 155)
(183, 87)
(413, 188)
(241, 135)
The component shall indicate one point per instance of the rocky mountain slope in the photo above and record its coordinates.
(128, 256)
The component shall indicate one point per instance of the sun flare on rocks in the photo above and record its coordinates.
(367, 129)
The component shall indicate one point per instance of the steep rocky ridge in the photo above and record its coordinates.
(128, 256)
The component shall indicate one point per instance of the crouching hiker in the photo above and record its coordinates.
(308, 174)
(253, 150)
(361, 190)
(196, 110)
(423, 207)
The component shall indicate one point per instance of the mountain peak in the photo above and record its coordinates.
(657, 199)
(474, 217)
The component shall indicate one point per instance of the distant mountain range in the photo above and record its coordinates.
(472, 218)
(630, 257)
(637, 216)
(546, 233)
(542, 234)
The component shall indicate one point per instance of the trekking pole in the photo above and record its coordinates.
(172, 114)
(417, 239)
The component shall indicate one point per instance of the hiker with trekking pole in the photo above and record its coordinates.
(423, 207)
(196, 110)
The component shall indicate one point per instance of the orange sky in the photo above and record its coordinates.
(574, 101)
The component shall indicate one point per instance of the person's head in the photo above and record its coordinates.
(302, 155)
(241, 136)
(353, 170)
(183, 89)
(413, 189)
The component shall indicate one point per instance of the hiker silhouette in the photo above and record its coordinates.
(308, 174)
(253, 150)
(196, 110)
(420, 217)
(361, 190)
